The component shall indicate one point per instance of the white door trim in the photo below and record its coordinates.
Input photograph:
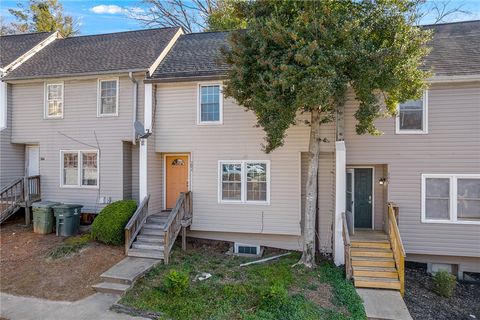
(27, 159)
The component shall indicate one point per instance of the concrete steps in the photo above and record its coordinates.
(112, 288)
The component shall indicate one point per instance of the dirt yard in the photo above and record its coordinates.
(424, 304)
(27, 269)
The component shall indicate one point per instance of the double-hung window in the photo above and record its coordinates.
(79, 168)
(449, 198)
(210, 104)
(412, 116)
(107, 97)
(244, 182)
(53, 100)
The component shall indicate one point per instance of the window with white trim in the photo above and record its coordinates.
(54, 100)
(412, 116)
(451, 198)
(79, 168)
(210, 104)
(244, 182)
(108, 97)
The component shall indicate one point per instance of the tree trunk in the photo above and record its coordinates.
(308, 257)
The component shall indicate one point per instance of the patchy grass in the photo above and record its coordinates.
(70, 246)
(273, 290)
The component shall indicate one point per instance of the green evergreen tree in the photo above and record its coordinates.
(304, 56)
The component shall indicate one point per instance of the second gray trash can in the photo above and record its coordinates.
(68, 219)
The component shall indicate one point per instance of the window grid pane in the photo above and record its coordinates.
(54, 100)
(70, 168)
(411, 115)
(232, 182)
(108, 97)
(256, 182)
(468, 199)
(210, 103)
(89, 168)
(437, 198)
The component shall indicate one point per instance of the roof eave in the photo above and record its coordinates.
(74, 75)
(220, 76)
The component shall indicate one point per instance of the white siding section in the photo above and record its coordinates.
(79, 129)
(12, 156)
(451, 146)
(237, 139)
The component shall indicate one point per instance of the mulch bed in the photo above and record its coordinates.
(423, 303)
(26, 269)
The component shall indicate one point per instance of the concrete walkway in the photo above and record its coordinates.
(95, 306)
(384, 304)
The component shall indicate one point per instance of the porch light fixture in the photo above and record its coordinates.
(382, 181)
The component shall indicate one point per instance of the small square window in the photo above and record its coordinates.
(108, 97)
(210, 104)
(412, 116)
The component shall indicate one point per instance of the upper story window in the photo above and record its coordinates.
(79, 168)
(54, 100)
(412, 116)
(244, 182)
(210, 104)
(107, 97)
(450, 198)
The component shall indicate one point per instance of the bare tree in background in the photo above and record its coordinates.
(441, 10)
(191, 15)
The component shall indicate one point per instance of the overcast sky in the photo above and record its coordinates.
(112, 16)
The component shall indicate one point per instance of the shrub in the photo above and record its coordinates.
(176, 282)
(274, 296)
(444, 283)
(108, 227)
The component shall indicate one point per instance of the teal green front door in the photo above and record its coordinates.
(363, 197)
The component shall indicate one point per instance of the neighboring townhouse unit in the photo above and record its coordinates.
(72, 110)
(15, 50)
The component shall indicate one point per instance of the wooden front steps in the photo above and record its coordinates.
(150, 242)
(373, 263)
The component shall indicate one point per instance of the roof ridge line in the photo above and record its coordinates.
(128, 31)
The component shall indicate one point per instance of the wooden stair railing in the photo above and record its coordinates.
(10, 198)
(135, 223)
(180, 214)
(397, 246)
(347, 247)
(33, 187)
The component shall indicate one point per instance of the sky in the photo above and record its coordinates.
(105, 16)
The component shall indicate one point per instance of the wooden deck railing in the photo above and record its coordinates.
(346, 244)
(10, 197)
(397, 246)
(135, 223)
(181, 212)
(33, 188)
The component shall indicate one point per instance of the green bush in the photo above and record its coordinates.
(108, 227)
(176, 282)
(444, 283)
(274, 296)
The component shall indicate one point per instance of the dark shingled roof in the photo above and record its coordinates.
(194, 55)
(14, 46)
(456, 51)
(104, 53)
(455, 48)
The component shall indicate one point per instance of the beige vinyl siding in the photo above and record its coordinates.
(127, 170)
(176, 131)
(80, 129)
(12, 156)
(452, 145)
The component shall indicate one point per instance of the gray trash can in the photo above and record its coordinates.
(68, 219)
(43, 216)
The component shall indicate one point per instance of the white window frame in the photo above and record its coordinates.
(243, 198)
(45, 102)
(3, 104)
(199, 104)
(424, 119)
(453, 178)
(99, 97)
(80, 167)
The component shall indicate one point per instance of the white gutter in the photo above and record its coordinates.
(134, 106)
(450, 79)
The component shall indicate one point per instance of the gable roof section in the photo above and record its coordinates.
(97, 54)
(14, 46)
(194, 55)
(455, 49)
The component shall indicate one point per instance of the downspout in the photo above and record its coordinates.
(135, 106)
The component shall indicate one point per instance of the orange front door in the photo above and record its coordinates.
(176, 178)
